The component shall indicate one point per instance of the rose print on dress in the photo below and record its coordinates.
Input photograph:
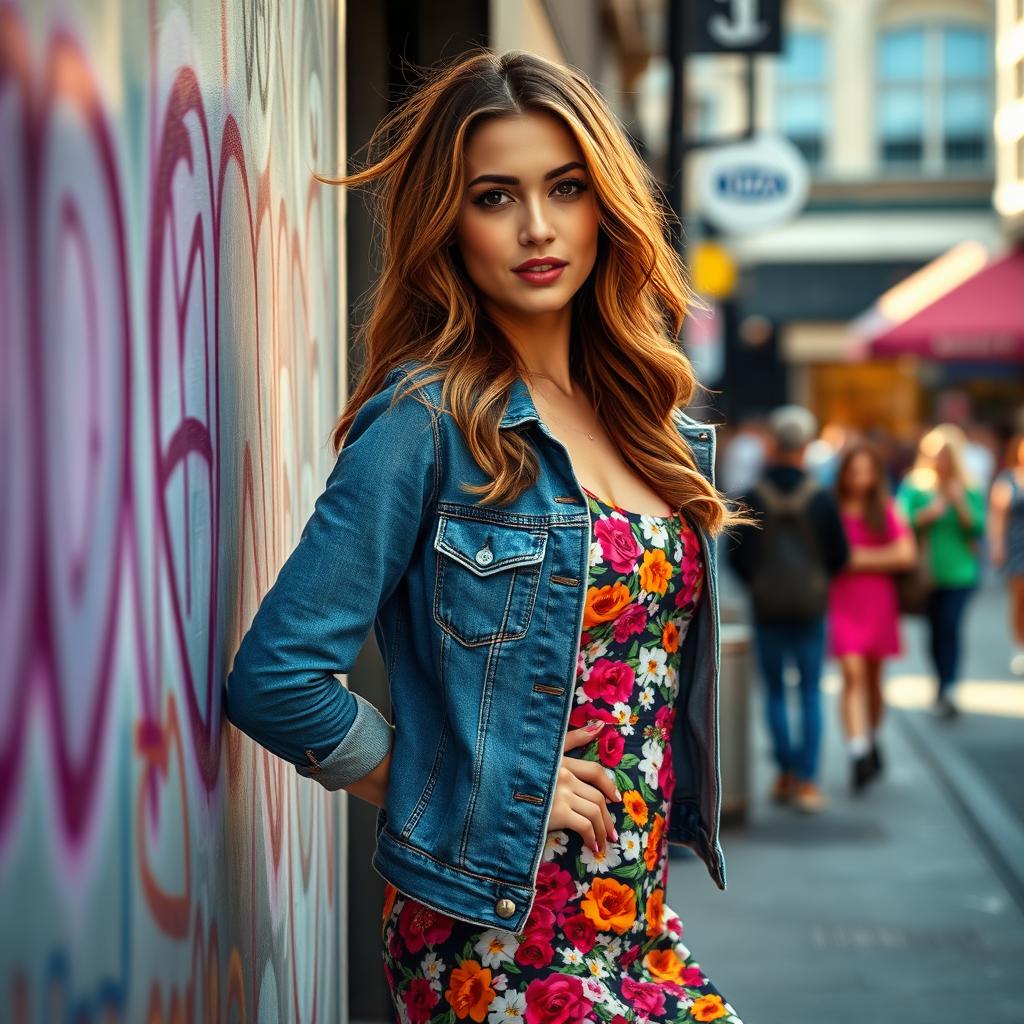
(600, 944)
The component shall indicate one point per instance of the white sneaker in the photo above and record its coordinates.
(1017, 663)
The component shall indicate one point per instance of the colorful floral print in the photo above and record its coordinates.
(600, 944)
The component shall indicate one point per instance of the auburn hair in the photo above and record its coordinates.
(878, 500)
(424, 307)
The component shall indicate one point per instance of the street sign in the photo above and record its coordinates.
(749, 186)
(733, 26)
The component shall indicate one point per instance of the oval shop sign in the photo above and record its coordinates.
(749, 186)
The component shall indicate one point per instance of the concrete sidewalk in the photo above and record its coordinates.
(884, 907)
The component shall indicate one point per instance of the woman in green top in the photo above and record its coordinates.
(947, 510)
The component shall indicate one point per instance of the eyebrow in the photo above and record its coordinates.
(508, 179)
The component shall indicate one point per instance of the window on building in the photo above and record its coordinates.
(935, 98)
(802, 93)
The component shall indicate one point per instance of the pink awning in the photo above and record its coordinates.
(980, 318)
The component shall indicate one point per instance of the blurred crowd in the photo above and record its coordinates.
(854, 531)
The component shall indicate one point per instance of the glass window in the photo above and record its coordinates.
(934, 97)
(802, 100)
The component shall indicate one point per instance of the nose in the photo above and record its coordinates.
(536, 228)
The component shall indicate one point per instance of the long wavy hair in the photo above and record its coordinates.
(878, 498)
(923, 474)
(424, 307)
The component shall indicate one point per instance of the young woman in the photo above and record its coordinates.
(1006, 539)
(864, 614)
(947, 511)
(526, 516)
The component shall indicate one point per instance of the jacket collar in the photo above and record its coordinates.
(521, 408)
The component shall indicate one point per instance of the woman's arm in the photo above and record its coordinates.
(310, 625)
(900, 553)
(998, 508)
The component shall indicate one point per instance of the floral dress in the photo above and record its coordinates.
(600, 943)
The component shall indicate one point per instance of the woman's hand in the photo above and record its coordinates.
(582, 792)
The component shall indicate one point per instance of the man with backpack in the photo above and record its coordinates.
(787, 565)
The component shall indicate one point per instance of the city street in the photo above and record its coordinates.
(898, 905)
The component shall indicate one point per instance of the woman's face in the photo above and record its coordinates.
(528, 194)
(860, 474)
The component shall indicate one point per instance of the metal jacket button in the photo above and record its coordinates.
(485, 556)
(505, 908)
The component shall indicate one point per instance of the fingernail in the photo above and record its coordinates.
(595, 724)
(618, 795)
(615, 835)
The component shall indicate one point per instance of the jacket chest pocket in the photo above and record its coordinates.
(487, 579)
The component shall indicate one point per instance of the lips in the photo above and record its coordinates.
(540, 263)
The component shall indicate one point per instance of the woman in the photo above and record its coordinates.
(528, 527)
(1006, 539)
(947, 511)
(864, 614)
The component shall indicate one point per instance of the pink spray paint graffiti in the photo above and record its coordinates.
(169, 322)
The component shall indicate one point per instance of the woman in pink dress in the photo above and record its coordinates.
(864, 615)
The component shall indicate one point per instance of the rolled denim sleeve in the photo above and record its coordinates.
(282, 689)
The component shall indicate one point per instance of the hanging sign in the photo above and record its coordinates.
(733, 26)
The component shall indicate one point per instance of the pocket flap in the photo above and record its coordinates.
(485, 547)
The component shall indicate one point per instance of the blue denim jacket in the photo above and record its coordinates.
(478, 613)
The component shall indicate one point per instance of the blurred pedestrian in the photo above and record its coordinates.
(787, 563)
(947, 510)
(1006, 539)
(864, 614)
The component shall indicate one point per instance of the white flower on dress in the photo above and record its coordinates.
(646, 698)
(433, 967)
(596, 553)
(499, 982)
(495, 946)
(509, 1007)
(654, 754)
(651, 664)
(622, 713)
(601, 862)
(571, 956)
(654, 530)
(597, 991)
(631, 844)
(612, 944)
(555, 844)
(596, 967)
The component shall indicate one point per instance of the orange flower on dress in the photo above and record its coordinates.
(655, 912)
(390, 892)
(610, 905)
(652, 851)
(655, 572)
(605, 603)
(470, 993)
(635, 805)
(670, 637)
(708, 1008)
(664, 964)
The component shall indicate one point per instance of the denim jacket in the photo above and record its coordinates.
(478, 613)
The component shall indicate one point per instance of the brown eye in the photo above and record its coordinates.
(479, 201)
(580, 187)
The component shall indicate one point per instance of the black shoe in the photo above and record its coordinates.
(944, 707)
(861, 772)
(875, 754)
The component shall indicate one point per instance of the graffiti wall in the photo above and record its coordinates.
(169, 367)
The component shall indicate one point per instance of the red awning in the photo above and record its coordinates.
(981, 318)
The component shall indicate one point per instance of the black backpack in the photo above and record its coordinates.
(789, 584)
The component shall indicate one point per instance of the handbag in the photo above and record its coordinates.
(914, 585)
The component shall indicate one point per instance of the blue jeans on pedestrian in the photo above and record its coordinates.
(805, 646)
(945, 613)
